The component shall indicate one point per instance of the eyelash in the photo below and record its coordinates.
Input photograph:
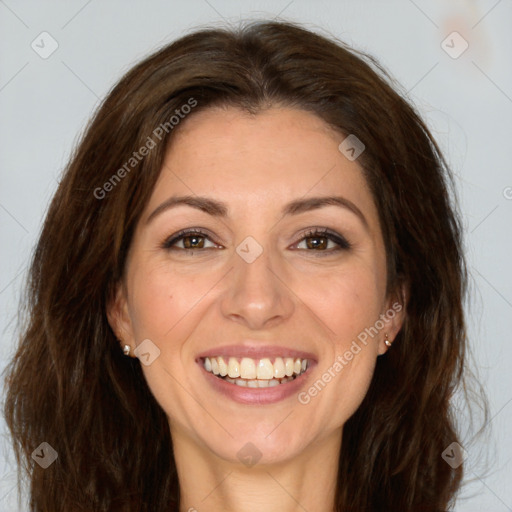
(341, 241)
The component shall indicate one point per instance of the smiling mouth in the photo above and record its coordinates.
(256, 373)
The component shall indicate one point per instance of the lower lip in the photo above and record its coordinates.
(257, 396)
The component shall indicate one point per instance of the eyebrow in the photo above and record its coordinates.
(220, 209)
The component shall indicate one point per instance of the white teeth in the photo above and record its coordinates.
(247, 368)
(279, 370)
(223, 367)
(264, 369)
(289, 366)
(256, 373)
(233, 368)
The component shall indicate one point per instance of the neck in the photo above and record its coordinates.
(306, 481)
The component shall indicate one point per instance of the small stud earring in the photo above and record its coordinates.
(387, 342)
(126, 350)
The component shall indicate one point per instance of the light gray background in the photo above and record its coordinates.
(467, 102)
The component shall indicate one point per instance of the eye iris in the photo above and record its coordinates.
(193, 242)
(316, 242)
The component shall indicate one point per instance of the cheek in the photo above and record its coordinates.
(159, 300)
(165, 307)
(151, 305)
(348, 301)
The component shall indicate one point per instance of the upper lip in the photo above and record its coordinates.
(256, 352)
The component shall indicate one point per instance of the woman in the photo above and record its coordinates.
(247, 293)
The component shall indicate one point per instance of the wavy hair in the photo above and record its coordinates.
(69, 383)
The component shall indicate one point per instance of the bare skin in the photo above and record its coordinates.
(302, 292)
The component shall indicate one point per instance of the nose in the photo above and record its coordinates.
(256, 294)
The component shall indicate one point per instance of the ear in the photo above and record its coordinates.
(393, 316)
(119, 317)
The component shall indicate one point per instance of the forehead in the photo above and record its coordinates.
(257, 162)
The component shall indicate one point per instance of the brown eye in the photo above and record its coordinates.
(317, 242)
(193, 242)
(322, 241)
(189, 240)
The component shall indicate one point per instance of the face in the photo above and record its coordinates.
(279, 280)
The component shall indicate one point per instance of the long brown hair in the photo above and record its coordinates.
(69, 384)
